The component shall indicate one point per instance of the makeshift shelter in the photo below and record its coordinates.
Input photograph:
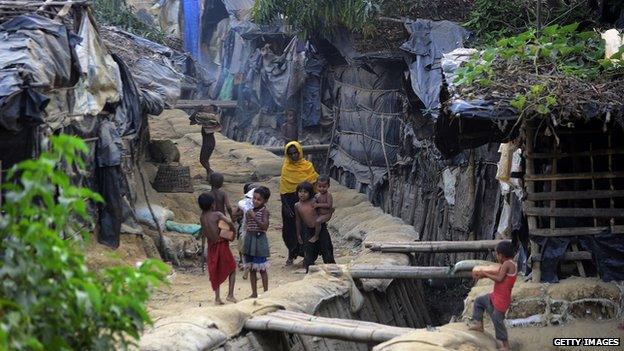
(564, 166)
(58, 77)
(376, 111)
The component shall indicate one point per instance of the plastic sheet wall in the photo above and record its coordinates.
(368, 112)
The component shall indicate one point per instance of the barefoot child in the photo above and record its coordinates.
(256, 246)
(324, 205)
(221, 264)
(222, 202)
(306, 219)
(497, 302)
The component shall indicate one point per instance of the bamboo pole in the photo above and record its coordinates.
(435, 246)
(536, 271)
(307, 149)
(393, 272)
(334, 328)
(182, 104)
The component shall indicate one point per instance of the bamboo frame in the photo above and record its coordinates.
(185, 104)
(531, 220)
(334, 328)
(435, 246)
(361, 271)
(551, 204)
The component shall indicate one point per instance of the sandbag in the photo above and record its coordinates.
(162, 215)
(468, 265)
(163, 151)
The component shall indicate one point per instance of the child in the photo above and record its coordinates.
(256, 246)
(244, 205)
(497, 302)
(221, 264)
(324, 205)
(306, 219)
(222, 202)
(290, 129)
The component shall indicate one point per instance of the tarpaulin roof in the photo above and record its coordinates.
(46, 61)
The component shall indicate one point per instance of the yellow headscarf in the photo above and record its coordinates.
(297, 172)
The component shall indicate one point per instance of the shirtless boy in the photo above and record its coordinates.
(221, 200)
(305, 219)
(324, 205)
(221, 264)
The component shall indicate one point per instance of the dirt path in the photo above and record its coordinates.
(240, 163)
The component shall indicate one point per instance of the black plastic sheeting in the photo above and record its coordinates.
(428, 41)
(369, 100)
(128, 114)
(49, 62)
(311, 91)
(470, 125)
(607, 250)
(111, 211)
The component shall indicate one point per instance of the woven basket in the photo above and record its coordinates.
(173, 179)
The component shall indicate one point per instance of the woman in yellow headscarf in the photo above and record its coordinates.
(295, 170)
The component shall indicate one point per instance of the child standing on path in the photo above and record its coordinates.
(256, 246)
(324, 206)
(497, 302)
(306, 219)
(221, 264)
(222, 202)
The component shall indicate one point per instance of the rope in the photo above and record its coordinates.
(365, 89)
(347, 132)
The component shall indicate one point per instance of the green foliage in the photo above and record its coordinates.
(561, 48)
(490, 20)
(560, 51)
(535, 99)
(319, 17)
(118, 13)
(49, 299)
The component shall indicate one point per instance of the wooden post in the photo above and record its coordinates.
(186, 104)
(435, 246)
(307, 149)
(530, 186)
(334, 328)
(393, 272)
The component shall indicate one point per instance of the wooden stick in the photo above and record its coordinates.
(571, 176)
(182, 104)
(579, 264)
(616, 229)
(531, 220)
(576, 154)
(436, 246)
(334, 328)
(576, 195)
(307, 149)
(575, 212)
(569, 256)
(394, 272)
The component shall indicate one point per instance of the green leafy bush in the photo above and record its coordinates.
(118, 13)
(538, 69)
(561, 48)
(319, 17)
(491, 20)
(49, 300)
